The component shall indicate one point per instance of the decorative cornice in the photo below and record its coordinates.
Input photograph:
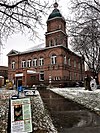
(48, 33)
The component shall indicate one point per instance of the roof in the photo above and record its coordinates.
(38, 49)
(55, 13)
(13, 52)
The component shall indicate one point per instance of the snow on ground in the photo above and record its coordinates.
(90, 99)
(41, 120)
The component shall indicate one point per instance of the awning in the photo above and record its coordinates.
(31, 72)
(19, 75)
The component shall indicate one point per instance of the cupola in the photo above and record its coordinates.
(55, 13)
(56, 29)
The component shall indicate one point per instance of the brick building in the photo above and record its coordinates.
(55, 63)
(4, 72)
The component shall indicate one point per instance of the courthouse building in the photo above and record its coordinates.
(55, 63)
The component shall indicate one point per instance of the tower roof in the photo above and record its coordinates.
(55, 13)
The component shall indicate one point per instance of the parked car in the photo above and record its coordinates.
(79, 84)
(30, 91)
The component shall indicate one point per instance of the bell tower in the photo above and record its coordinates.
(56, 29)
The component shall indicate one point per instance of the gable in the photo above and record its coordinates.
(13, 52)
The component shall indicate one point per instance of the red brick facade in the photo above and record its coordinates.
(4, 72)
(55, 62)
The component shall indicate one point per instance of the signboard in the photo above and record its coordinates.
(21, 120)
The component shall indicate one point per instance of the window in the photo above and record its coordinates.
(41, 76)
(75, 75)
(41, 61)
(74, 63)
(79, 65)
(53, 59)
(13, 65)
(55, 41)
(29, 63)
(34, 62)
(50, 43)
(23, 64)
(69, 62)
(70, 76)
(65, 60)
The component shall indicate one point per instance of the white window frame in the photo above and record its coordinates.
(55, 42)
(75, 76)
(49, 43)
(40, 75)
(74, 63)
(79, 65)
(65, 60)
(35, 62)
(23, 64)
(41, 61)
(28, 63)
(70, 75)
(53, 59)
(13, 65)
(69, 61)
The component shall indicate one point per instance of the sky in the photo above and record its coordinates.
(21, 42)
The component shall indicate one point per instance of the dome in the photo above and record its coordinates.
(55, 12)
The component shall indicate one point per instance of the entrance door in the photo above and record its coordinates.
(19, 82)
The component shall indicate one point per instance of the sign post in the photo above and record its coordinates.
(21, 119)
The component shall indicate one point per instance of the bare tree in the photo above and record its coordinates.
(85, 31)
(21, 15)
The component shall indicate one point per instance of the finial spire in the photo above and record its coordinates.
(55, 4)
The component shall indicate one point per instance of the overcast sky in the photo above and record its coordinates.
(22, 42)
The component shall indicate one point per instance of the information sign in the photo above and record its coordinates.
(21, 120)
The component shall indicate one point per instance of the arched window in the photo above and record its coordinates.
(65, 61)
(35, 62)
(53, 59)
(29, 63)
(69, 62)
(74, 63)
(79, 65)
(41, 61)
(55, 41)
(13, 64)
(50, 43)
(23, 64)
